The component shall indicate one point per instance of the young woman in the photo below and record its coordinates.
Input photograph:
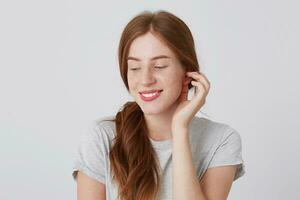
(155, 147)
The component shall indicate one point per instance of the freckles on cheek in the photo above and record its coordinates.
(131, 83)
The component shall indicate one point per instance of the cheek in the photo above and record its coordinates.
(177, 84)
(174, 85)
(175, 79)
(131, 82)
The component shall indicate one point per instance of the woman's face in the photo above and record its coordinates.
(144, 74)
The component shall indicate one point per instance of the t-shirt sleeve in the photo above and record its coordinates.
(90, 155)
(229, 152)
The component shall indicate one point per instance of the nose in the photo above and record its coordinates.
(147, 77)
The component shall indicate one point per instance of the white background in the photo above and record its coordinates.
(59, 71)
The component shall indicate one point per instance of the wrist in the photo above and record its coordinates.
(179, 131)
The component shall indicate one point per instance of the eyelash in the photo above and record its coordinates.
(159, 67)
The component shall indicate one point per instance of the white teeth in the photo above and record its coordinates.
(149, 95)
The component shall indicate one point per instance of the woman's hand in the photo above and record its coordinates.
(187, 109)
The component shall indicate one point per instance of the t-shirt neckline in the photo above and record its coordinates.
(161, 144)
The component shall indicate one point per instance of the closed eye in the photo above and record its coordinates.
(160, 67)
(134, 69)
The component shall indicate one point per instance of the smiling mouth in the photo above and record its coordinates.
(150, 96)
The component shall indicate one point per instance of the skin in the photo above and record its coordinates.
(171, 109)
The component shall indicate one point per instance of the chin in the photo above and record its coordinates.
(154, 109)
(151, 110)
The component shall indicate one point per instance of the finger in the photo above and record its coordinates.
(201, 78)
(199, 86)
(200, 93)
(206, 79)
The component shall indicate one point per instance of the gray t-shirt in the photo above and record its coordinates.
(212, 143)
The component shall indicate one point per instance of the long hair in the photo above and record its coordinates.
(133, 160)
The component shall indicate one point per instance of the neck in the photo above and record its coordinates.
(159, 125)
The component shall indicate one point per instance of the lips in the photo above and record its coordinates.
(150, 95)
(149, 91)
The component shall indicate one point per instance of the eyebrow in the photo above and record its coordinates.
(154, 58)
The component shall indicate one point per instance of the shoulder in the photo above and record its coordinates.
(209, 125)
(104, 122)
(92, 153)
(205, 124)
(215, 144)
(210, 132)
(101, 129)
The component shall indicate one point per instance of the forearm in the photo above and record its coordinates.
(185, 181)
